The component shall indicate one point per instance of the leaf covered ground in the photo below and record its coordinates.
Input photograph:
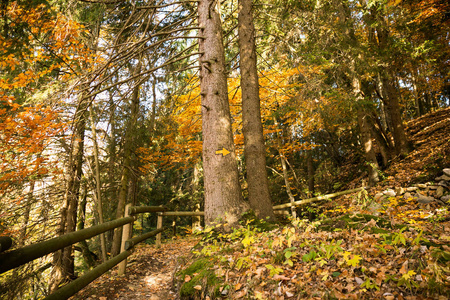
(355, 256)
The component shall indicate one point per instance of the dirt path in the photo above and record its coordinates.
(149, 275)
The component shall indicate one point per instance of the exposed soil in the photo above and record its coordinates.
(149, 274)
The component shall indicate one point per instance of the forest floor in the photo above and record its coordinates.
(400, 252)
(149, 274)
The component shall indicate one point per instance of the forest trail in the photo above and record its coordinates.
(149, 274)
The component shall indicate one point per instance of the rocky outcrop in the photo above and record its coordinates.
(437, 191)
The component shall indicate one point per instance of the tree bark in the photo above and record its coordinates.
(364, 132)
(127, 152)
(254, 148)
(310, 172)
(223, 196)
(63, 260)
(386, 77)
(98, 194)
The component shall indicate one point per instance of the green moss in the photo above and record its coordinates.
(202, 274)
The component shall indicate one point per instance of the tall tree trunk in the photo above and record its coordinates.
(127, 162)
(310, 171)
(387, 80)
(88, 257)
(364, 131)
(112, 159)
(393, 105)
(288, 185)
(98, 194)
(153, 115)
(196, 220)
(254, 148)
(63, 260)
(223, 196)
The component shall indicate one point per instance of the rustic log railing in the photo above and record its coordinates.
(15, 258)
(278, 209)
(318, 198)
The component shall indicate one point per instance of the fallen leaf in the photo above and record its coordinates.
(388, 296)
(289, 294)
(404, 267)
(187, 278)
(198, 287)
(280, 277)
(240, 294)
(359, 280)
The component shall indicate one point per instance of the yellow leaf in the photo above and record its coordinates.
(409, 274)
(198, 287)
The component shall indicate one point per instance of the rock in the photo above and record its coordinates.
(443, 183)
(399, 190)
(411, 189)
(407, 195)
(439, 192)
(422, 186)
(424, 199)
(378, 196)
(374, 208)
(446, 171)
(443, 177)
(433, 187)
(389, 193)
(446, 199)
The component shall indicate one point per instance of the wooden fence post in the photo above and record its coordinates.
(158, 226)
(126, 234)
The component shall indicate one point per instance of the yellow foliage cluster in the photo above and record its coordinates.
(279, 95)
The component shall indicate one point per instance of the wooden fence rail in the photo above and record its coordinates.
(309, 200)
(15, 258)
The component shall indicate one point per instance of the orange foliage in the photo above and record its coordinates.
(279, 90)
(26, 130)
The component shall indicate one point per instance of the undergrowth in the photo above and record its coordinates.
(352, 256)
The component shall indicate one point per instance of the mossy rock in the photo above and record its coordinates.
(202, 275)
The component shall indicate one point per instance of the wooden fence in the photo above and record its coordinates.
(15, 258)
(278, 209)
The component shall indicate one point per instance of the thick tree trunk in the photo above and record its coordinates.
(254, 148)
(364, 132)
(393, 105)
(223, 196)
(387, 79)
